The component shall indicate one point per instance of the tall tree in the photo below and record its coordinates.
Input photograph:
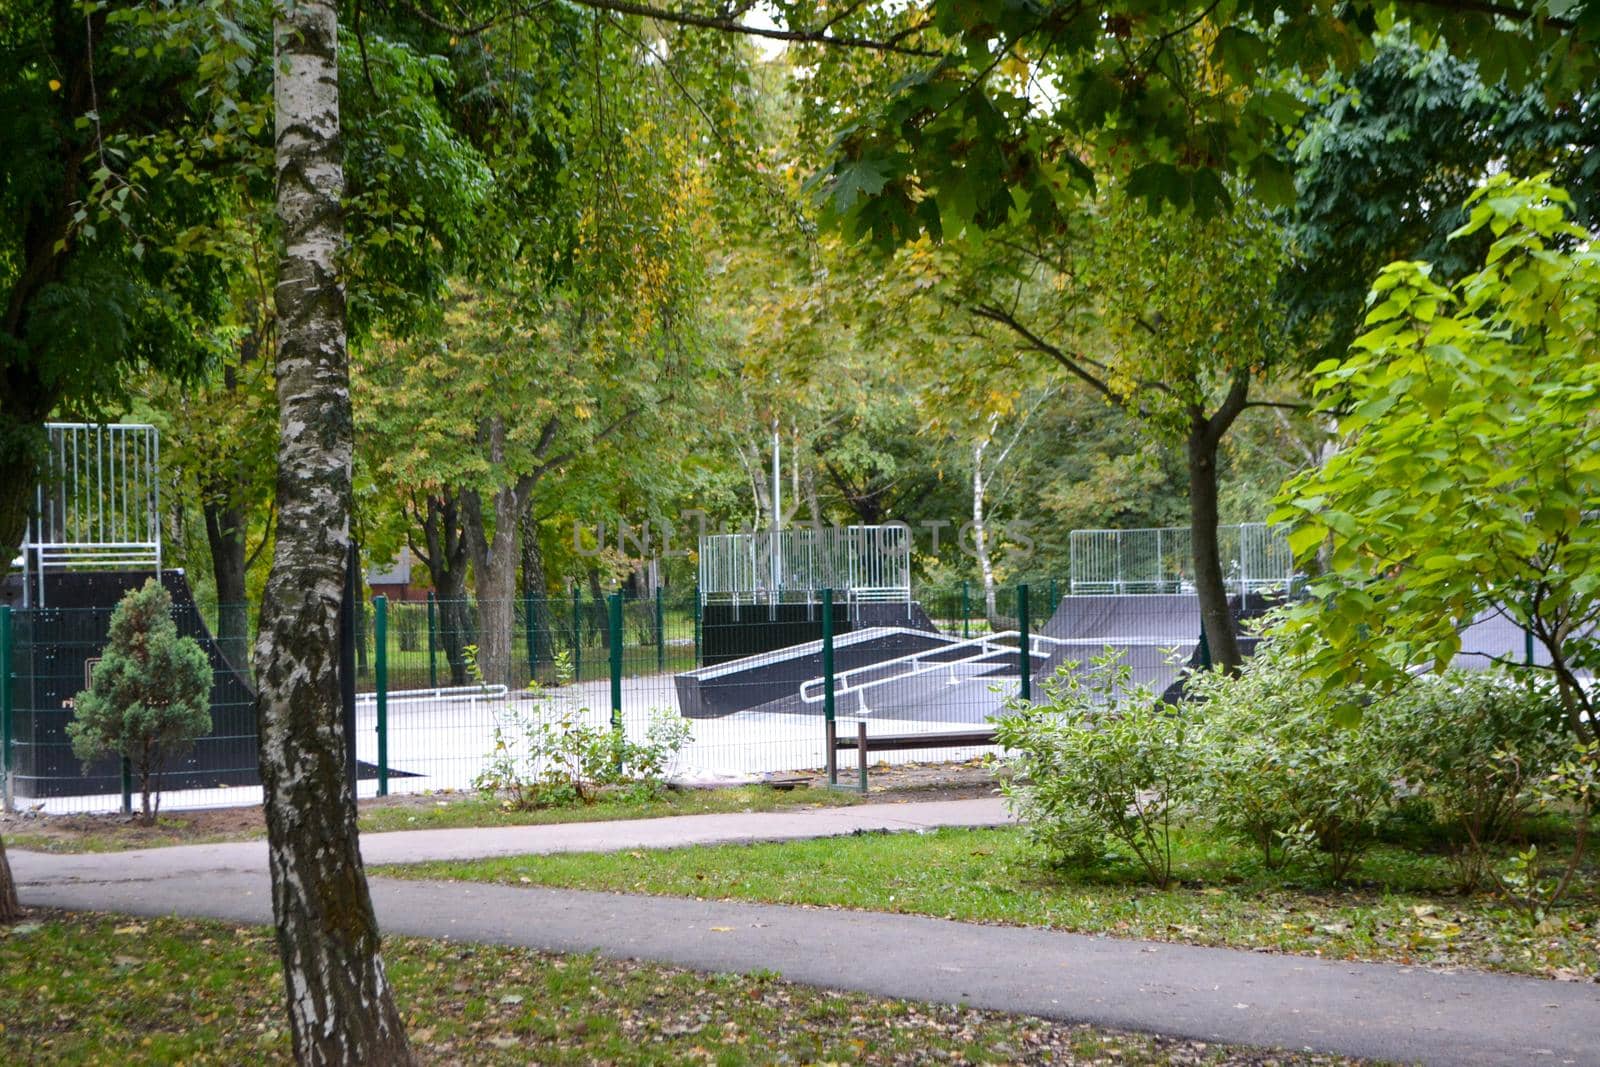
(341, 1007)
(1387, 154)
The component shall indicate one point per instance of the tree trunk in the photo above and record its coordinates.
(1216, 620)
(494, 561)
(980, 532)
(10, 908)
(597, 608)
(534, 580)
(225, 528)
(341, 1009)
(446, 558)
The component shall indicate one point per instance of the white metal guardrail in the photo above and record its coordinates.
(861, 564)
(98, 502)
(1255, 558)
(442, 695)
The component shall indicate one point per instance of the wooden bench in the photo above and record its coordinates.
(863, 744)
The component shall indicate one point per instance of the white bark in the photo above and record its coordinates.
(341, 1010)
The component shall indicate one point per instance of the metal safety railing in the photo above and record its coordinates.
(1255, 558)
(865, 564)
(97, 505)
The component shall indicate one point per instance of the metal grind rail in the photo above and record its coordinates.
(1006, 642)
(442, 695)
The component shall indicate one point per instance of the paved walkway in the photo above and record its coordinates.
(1372, 1010)
(417, 846)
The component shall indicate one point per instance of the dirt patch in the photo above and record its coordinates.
(889, 784)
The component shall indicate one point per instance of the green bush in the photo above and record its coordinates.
(545, 758)
(1280, 773)
(1098, 759)
(149, 697)
(1470, 746)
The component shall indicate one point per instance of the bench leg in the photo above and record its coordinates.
(861, 752)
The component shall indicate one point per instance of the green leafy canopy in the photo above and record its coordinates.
(1470, 473)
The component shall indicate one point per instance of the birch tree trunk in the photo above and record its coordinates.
(980, 528)
(341, 1009)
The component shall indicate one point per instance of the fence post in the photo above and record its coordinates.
(533, 635)
(661, 633)
(1527, 646)
(697, 626)
(380, 673)
(433, 645)
(9, 795)
(577, 637)
(861, 752)
(966, 631)
(1205, 651)
(1023, 642)
(127, 786)
(830, 726)
(614, 628)
(1054, 601)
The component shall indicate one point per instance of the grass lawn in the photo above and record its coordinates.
(113, 833)
(1400, 909)
(103, 989)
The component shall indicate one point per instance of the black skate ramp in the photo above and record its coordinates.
(770, 680)
(54, 646)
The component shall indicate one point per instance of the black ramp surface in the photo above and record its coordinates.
(1492, 637)
(1173, 617)
(755, 681)
(54, 647)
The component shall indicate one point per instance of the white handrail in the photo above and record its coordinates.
(443, 694)
(986, 645)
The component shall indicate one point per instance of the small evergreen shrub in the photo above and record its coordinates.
(149, 697)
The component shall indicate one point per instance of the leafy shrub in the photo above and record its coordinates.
(543, 758)
(1470, 745)
(1280, 773)
(149, 697)
(1099, 758)
(1573, 783)
(409, 623)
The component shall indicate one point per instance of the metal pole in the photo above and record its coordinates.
(380, 671)
(827, 683)
(577, 637)
(127, 786)
(697, 627)
(533, 634)
(1527, 646)
(5, 708)
(966, 631)
(661, 633)
(615, 627)
(861, 751)
(1023, 642)
(433, 646)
